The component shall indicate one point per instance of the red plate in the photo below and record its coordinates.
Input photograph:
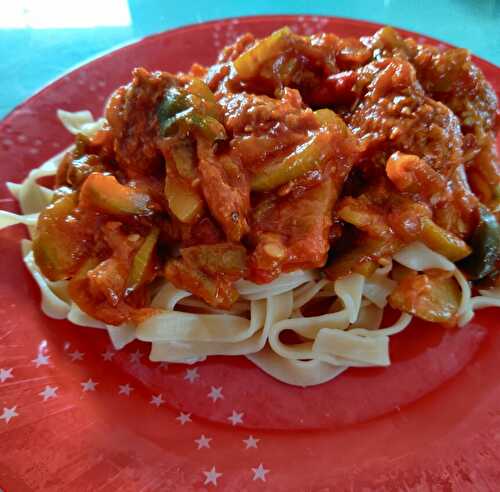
(430, 421)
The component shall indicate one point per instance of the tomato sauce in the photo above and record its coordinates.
(290, 152)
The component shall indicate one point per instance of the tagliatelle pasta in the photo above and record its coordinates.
(215, 213)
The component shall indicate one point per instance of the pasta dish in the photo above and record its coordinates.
(280, 204)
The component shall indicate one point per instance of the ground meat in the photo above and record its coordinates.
(131, 113)
(395, 114)
(450, 77)
(262, 127)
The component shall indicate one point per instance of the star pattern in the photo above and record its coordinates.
(108, 355)
(236, 418)
(203, 442)
(184, 418)
(135, 357)
(215, 393)
(49, 392)
(125, 389)
(251, 442)
(88, 385)
(259, 473)
(41, 360)
(76, 355)
(8, 414)
(5, 374)
(157, 400)
(192, 375)
(211, 476)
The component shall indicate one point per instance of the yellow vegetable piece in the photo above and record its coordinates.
(183, 154)
(389, 38)
(88, 264)
(56, 248)
(327, 117)
(363, 259)
(432, 296)
(79, 169)
(311, 154)
(352, 262)
(106, 194)
(223, 258)
(249, 62)
(206, 126)
(142, 259)
(364, 216)
(214, 290)
(184, 202)
(198, 87)
(208, 103)
(443, 242)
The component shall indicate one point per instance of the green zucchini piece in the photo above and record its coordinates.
(106, 194)
(485, 244)
(142, 259)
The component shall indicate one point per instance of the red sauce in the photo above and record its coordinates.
(290, 153)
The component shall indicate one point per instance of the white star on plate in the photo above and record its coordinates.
(5, 374)
(183, 418)
(135, 357)
(49, 392)
(125, 389)
(251, 442)
(8, 413)
(203, 442)
(157, 400)
(236, 418)
(215, 393)
(192, 375)
(259, 473)
(211, 476)
(76, 355)
(89, 385)
(41, 360)
(108, 355)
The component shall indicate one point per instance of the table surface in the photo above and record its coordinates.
(42, 39)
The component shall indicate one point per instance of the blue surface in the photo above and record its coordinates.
(32, 57)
